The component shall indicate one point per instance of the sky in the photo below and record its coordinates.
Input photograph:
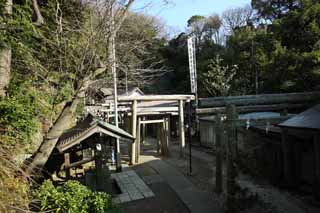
(177, 13)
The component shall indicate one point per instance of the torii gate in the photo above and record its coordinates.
(135, 151)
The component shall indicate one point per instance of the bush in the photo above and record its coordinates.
(72, 197)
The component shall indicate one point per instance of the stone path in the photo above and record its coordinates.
(152, 179)
(196, 200)
(132, 187)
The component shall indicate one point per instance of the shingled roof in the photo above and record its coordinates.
(88, 127)
(309, 119)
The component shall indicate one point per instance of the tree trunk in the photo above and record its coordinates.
(5, 70)
(5, 59)
(63, 122)
(39, 18)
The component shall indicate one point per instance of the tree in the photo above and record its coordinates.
(283, 53)
(236, 17)
(212, 28)
(218, 79)
(196, 24)
(91, 46)
(176, 55)
(274, 9)
(86, 73)
(140, 42)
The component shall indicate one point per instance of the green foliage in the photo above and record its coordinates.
(18, 119)
(273, 9)
(218, 79)
(284, 53)
(140, 41)
(72, 197)
(18, 25)
(195, 19)
(40, 77)
(280, 47)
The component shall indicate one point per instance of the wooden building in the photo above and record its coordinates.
(91, 140)
(300, 142)
(286, 153)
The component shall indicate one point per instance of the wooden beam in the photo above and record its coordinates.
(152, 121)
(254, 108)
(303, 97)
(261, 121)
(67, 164)
(287, 160)
(181, 127)
(157, 109)
(164, 147)
(168, 128)
(78, 163)
(316, 150)
(138, 139)
(134, 131)
(231, 168)
(158, 137)
(254, 121)
(218, 131)
(143, 138)
(157, 98)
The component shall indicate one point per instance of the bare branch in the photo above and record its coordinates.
(39, 18)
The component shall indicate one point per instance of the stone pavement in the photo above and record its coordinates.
(196, 200)
(132, 187)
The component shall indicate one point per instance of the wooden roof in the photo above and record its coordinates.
(309, 119)
(86, 128)
(157, 98)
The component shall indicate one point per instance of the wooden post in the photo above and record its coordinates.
(98, 164)
(163, 140)
(67, 164)
(134, 130)
(316, 145)
(143, 131)
(297, 148)
(219, 132)
(287, 164)
(181, 127)
(231, 168)
(158, 137)
(138, 139)
(167, 132)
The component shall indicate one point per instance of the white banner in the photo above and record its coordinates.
(192, 64)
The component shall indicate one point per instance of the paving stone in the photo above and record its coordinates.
(124, 197)
(131, 186)
(136, 196)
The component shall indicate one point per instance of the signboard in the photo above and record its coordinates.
(192, 64)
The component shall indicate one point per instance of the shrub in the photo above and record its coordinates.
(72, 197)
